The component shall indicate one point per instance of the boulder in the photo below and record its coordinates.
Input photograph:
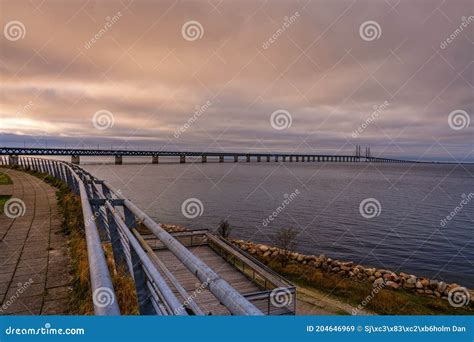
(392, 284)
(378, 282)
(419, 285)
(442, 286)
(411, 280)
(378, 274)
(370, 271)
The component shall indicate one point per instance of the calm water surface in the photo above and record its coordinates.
(406, 236)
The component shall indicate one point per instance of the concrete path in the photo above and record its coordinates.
(34, 266)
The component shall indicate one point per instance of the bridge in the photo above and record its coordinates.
(182, 273)
(75, 154)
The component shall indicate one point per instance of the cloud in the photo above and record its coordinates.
(140, 68)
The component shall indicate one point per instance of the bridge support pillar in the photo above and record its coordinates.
(118, 160)
(291, 159)
(276, 158)
(259, 158)
(314, 158)
(154, 159)
(221, 159)
(182, 159)
(204, 159)
(297, 159)
(236, 159)
(248, 158)
(284, 158)
(75, 159)
(13, 160)
(268, 159)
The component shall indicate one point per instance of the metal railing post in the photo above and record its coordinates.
(143, 293)
(117, 247)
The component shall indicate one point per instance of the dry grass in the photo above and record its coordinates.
(385, 302)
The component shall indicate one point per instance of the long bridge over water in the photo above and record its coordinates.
(75, 154)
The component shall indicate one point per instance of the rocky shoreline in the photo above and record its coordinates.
(379, 277)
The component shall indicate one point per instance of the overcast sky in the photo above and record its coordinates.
(378, 73)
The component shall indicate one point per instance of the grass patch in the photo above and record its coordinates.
(73, 227)
(3, 199)
(5, 179)
(385, 302)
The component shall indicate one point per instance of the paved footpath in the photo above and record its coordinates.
(34, 266)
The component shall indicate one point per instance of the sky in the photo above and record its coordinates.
(270, 76)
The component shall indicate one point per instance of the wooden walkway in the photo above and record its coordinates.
(34, 266)
(202, 296)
